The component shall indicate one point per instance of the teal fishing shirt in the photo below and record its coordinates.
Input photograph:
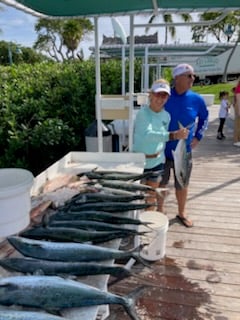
(150, 134)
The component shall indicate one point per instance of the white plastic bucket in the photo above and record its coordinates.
(156, 237)
(15, 200)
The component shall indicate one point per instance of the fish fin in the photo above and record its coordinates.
(160, 190)
(140, 260)
(130, 299)
(188, 126)
(180, 125)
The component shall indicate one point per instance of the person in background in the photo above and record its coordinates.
(188, 109)
(236, 130)
(151, 134)
(223, 113)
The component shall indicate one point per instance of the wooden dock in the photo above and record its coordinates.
(199, 278)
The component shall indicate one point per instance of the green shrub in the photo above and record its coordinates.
(45, 108)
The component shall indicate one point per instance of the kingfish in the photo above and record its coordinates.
(69, 251)
(40, 266)
(76, 235)
(129, 186)
(108, 206)
(102, 197)
(115, 175)
(101, 216)
(55, 293)
(27, 315)
(180, 158)
(89, 225)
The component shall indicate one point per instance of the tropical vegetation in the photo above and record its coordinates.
(45, 109)
(60, 38)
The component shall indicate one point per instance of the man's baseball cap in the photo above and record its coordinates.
(181, 69)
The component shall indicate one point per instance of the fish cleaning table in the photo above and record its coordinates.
(75, 163)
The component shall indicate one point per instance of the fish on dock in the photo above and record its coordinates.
(103, 197)
(90, 225)
(56, 294)
(27, 315)
(115, 175)
(47, 267)
(76, 235)
(108, 206)
(101, 216)
(129, 186)
(70, 251)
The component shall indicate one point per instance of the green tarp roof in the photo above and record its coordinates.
(119, 7)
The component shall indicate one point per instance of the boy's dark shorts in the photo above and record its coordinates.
(169, 164)
(156, 175)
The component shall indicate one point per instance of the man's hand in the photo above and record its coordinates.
(194, 143)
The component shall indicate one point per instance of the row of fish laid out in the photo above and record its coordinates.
(90, 217)
(60, 258)
(65, 244)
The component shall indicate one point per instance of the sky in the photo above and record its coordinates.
(18, 27)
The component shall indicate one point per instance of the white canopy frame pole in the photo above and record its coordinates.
(124, 138)
(146, 70)
(98, 87)
(131, 83)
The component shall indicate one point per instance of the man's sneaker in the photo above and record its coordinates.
(219, 137)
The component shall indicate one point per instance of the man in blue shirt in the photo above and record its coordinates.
(188, 109)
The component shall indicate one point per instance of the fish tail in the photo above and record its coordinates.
(130, 300)
(129, 274)
(161, 191)
(138, 258)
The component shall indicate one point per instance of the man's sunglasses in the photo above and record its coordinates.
(190, 76)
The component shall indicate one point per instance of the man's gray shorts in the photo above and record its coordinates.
(169, 164)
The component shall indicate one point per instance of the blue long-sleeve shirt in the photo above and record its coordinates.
(190, 110)
(150, 134)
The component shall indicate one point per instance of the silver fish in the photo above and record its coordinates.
(108, 206)
(75, 234)
(115, 175)
(89, 225)
(27, 315)
(129, 186)
(39, 266)
(55, 293)
(103, 197)
(180, 158)
(69, 251)
(180, 162)
(100, 216)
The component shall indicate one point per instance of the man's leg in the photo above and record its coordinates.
(181, 195)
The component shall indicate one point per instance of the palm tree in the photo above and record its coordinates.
(73, 32)
(167, 18)
(55, 34)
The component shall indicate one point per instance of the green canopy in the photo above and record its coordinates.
(118, 7)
